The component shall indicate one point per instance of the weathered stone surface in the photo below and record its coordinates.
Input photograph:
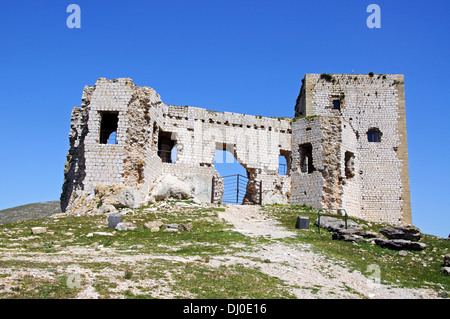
(302, 222)
(334, 224)
(126, 226)
(104, 209)
(130, 198)
(333, 169)
(172, 187)
(405, 232)
(445, 270)
(113, 220)
(400, 244)
(347, 235)
(99, 233)
(38, 230)
(447, 260)
(153, 224)
(185, 227)
(370, 234)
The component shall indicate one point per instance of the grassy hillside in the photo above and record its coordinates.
(416, 269)
(80, 257)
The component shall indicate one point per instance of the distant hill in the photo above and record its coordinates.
(30, 211)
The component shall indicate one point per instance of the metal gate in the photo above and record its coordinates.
(234, 189)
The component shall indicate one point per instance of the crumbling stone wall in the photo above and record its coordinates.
(368, 102)
(333, 162)
(135, 161)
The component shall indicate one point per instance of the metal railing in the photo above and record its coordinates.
(234, 189)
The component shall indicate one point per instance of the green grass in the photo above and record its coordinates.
(181, 262)
(210, 237)
(405, 271)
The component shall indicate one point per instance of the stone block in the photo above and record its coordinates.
(38, 230)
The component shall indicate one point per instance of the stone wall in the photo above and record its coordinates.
(331, 162)
(368, 102)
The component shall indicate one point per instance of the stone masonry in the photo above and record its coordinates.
(345, 148)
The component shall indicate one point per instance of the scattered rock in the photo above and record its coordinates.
(118, 196)
(406, 232)
(99, 233)
(400, 244)
(105, 209)
(171, 227)
(129, 198)
(126, 226)
(447, 260)
(185, 227)
(351, 238)
(334, 224)
(153, 224)
(403, 253)
(38, 230)
(445, 270)
(370, 234)
(182, 204)
(351, 235)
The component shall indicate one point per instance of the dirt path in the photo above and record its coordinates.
(310, 275)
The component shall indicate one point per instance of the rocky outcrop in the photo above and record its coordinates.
(400, 244)
(118, 196)
(406, 232)
(401, 237)
(352, 235)
(334, 224)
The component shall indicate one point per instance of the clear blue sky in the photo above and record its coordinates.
(239, 56)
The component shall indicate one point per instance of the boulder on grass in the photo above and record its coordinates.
(352, 235)
(38, 230)
(126, 226)
(400, 244)
(406, 232)
(334, 224)
(447, 260)
(153, 224)
(445, 270)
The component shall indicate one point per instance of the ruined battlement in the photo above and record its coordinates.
(345, 148)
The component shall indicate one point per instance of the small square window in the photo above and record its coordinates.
(336, 105)
(374, 135)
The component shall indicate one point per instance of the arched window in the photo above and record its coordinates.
(374, 135)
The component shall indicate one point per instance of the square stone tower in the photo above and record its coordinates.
(353, 129)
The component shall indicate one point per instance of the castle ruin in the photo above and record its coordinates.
(346, 147)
